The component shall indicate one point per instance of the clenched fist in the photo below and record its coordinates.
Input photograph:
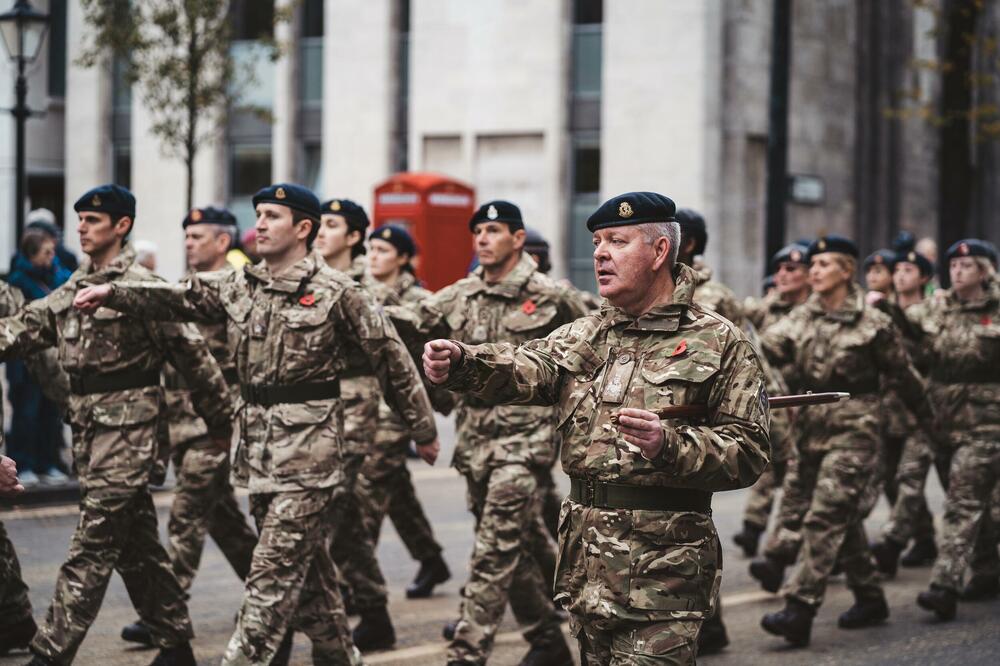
(440, 356)
(89, 299)
(642, 429)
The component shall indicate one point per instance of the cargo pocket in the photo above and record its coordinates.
(123, 440)
(305, 442)
(679, 380)
(307, 333)
(674, 558)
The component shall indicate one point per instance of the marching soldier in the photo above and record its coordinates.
(385, 484)
(119, 445)
(501, 450)
(964, 361)
(791, 287)
(203, 496)
(836, 342)
(292, 324)
(641, 484)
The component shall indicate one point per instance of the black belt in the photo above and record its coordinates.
(175, 381)
(266, 395)
(115, 381)
(649, 498)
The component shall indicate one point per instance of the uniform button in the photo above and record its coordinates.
(625, 358)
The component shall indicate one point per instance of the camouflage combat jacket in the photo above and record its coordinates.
(185, 424)
(119, 437)
(638, 565)
(765, 312)
(715, 295)
(962, 353)
(897, 421)
(855, 349)
(296, 327)
(524, 305)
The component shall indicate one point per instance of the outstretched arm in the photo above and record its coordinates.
(197, 299)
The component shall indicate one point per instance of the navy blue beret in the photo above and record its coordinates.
(111, 199)
(293, 196)
(498, 211)
(209, 215)
(972, 247)
(693, 226)
(883, 257)
(832, 243)
(354, 214)
(794, 253)
(396, 236)
(632, 208)
(914, 257)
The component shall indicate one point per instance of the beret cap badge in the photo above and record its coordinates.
(492, 213)
(624, 209)
(386, 233)
(796, 256)
(195, 215)
(911, 257)
(963, 249)
(821, 245)
(95, 201)
(335, 205)
(879, 259)
(280, 193)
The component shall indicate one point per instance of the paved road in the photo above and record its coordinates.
(41, 537)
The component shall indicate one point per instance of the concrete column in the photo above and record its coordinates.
(285, 98)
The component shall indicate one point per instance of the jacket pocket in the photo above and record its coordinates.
(123, 439)
(679, 381)
(305, 440)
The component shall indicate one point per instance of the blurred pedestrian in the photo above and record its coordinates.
(145, 254)
(44, 219)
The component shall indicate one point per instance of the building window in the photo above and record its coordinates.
(586, 169)
(401, 125)
(312, 18)
(587, 12)
(249, 170)
(57, 48)
(252, 19)
(121, 165)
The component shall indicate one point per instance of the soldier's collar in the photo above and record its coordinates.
(291, 278)
(359, 268)
(512, 283)
(115, 268)
(851, 309)
(404, 282)
(662, 317)
(702, 272)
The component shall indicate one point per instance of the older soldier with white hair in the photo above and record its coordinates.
(639, 564)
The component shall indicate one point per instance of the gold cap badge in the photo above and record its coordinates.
(624, 209)
(279, 193)
(387, 233)
(878, 259)
(912, 257)
(821, 245)
(195, 215)
(492, 213)
(963, 249)
(95, 200)
(795, 256)
(335, 205)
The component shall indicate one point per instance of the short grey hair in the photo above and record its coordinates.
(653, 231)
(229, 229)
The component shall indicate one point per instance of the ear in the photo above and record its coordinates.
(354, 237)
(519, 237)
(662, 249)
(302, 231)
(123, 225)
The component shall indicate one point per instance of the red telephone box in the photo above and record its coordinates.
(436, 211)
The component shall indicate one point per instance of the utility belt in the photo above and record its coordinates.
(604, 495)
(175, 381)
(113, 381)
(267, 395)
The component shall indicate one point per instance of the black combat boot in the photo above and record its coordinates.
(283, 655)
(433, 571)
(769, 572)
(137, 632)
(749, 538)
(17, 636)
(448, 631)
(940, 601)
(886, 553)
(794, 623)
(921, 554)
(548, 649)
(39, 660)
(866, 612)
(375, 632)
(712, 638)
(980, 588)
(180, 655)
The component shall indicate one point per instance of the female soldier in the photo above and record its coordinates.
(836, 342)
(964, 360)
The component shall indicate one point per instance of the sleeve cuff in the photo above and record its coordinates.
(668, 454)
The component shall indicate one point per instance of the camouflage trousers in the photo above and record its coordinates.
(910, 517)
(14, 603)
(669, 642)
(352, 546)
(293, 582)
(968, 535)
(841, 490)
(503, 567)
(784, 541)
(204, 503)
(116, 532)
(385, 487)
(761, 499)
(551, 501)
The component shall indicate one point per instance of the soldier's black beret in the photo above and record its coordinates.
(209, 215)
(832, 243)
(498, 211)
(291, 195)
(882, 257)
(693, 226)
(396, 236)
(914, 257)
(536, 245)
(972, 247)
(353, 213)
(111, 199)
(795, 253)
(632, 208)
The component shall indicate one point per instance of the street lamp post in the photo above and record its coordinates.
(23, 30)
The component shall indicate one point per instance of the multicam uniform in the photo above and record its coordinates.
(203, 497)
(120, 445)
(963, 355)
(385, 483)
(827, 495)
(639, 557)
(291, 335)
(500, 451)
